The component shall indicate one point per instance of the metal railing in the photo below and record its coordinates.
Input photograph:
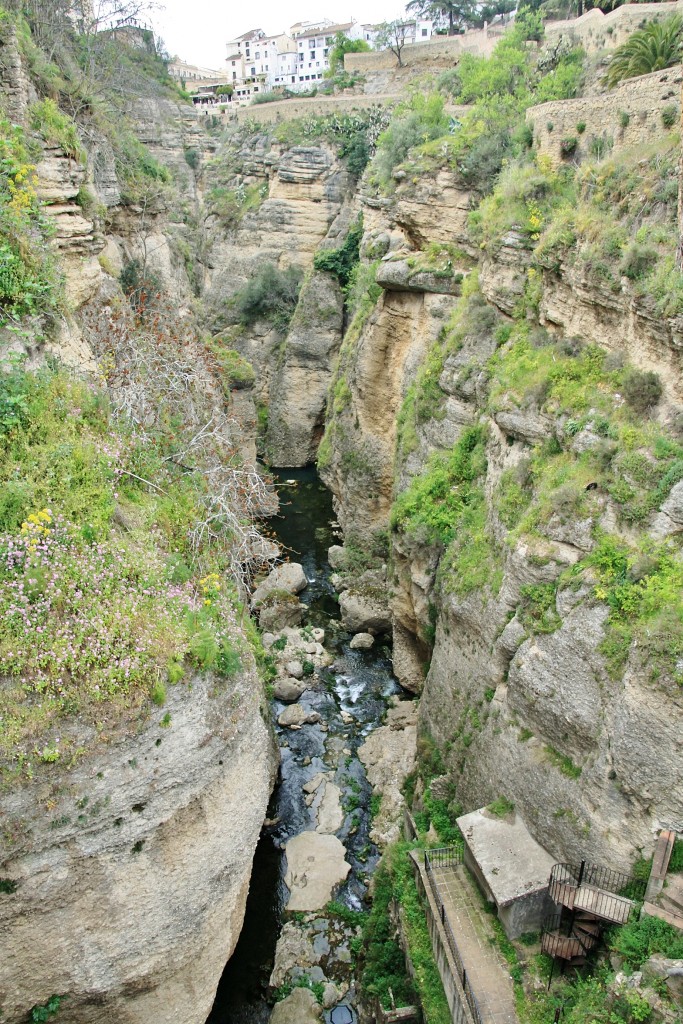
(444, 857)
(602, 892)
(558, 936)
(451, 856)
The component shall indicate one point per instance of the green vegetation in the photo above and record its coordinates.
(342, 261)
(444, 498)
(564, 763)
(270, 294)
(96, 621)
(29, 281)
(639, 940)
(676, 859)
(231, 205)
(655, 46)
(421, 138)
(56, 128)
(234, 370)
(39, 1014)
(383, 963)
(501, 807)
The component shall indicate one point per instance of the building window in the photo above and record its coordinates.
(234, 75)
(301, 78)
(317, 63)
(424, 31)
(253, 71)
(293, 78)
(312, 54)
(325, 52)
(266, 67)
(257, 55)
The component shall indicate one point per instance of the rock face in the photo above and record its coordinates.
(130, 889)
(300, 382)
(315, 866)
(534, 713)
(389, 756)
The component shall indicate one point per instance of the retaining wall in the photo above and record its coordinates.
(596, 31)
(629, 115)
(287, 110)
(437, 52)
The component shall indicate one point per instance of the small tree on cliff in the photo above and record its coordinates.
(393, 35)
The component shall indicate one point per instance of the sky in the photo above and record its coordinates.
(197, 30)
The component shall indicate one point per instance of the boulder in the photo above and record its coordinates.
(362, 642)
(287, 690)
(300, 1007)
(297, 715)
(289, 577)
(362, 612)
(280, 610)
(315, 867)
(295, 669)
(336, 556)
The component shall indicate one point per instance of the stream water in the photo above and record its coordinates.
(358, 682)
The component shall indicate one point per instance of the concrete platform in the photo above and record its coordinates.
(512, 869)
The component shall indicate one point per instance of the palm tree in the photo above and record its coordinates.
(657, 46)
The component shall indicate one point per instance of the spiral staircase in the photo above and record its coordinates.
(589, 898)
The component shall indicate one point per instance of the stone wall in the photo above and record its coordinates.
(289, 110)
(438, 52)
(596, 31)
(629, 115)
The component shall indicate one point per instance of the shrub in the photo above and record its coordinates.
(580, 127)
(639, 940)
(501, 807)
(341, 261)
(670, 115)
(56, 128)
(600, 145)
(624, 119)
(568, 146)
(193, 158)
(236, 372)
(420, 119)
(271, 295)
(637, 261)
(642, 389)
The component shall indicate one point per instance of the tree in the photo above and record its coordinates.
(460, 13)
(393, 35)
(341, 46)
(657, 46)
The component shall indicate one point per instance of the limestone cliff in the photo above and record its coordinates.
(129, 872)
(125, 869)
(536, 688)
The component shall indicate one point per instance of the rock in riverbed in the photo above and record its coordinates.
(315, 866)
(300, 1007)
(297, 715)
(287, 690)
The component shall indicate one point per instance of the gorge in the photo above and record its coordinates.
(465, 310)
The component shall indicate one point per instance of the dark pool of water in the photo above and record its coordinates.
(360, 683)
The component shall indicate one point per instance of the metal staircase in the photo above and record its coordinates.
(590, 897)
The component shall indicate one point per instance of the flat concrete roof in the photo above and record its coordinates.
(511, 861)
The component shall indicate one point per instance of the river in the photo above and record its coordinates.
(358, 682)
